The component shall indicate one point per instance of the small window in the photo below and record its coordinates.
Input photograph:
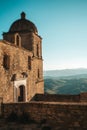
(29, 62)
(37, 50)
(6, 62)
(38, 73)
(17, 40)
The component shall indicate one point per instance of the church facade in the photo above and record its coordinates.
(21, 66)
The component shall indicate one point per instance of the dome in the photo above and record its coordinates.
(23, 25)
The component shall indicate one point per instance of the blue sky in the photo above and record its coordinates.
(61, 23)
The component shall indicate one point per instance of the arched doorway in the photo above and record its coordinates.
(20, 90)
(21, 93)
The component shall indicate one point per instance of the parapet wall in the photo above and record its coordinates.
(59, 111)
(60, 98)
(62, 115)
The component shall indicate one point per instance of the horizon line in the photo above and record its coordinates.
(65, 69)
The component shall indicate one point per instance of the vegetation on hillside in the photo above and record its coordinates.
(65, 85)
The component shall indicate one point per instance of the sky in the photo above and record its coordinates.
(61, 23)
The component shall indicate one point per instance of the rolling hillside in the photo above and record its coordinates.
(70, 84)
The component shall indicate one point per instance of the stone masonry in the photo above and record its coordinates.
(21, 66)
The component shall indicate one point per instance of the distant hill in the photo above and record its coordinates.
(65, 86)
(66, 81)
(65, 72)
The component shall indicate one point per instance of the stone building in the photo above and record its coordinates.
(21, 66)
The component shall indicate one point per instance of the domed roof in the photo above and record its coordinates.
(23, 25)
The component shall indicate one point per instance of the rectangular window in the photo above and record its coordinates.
(6, 62)
(29, 62)
(37, 49)
(38, 73)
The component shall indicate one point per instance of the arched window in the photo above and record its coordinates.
(29, 62)
(6, 62)
(17, 40)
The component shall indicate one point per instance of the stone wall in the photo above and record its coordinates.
(19, 71)
(57, 98)
(82, 97)
(58, 115)
(17, 65)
